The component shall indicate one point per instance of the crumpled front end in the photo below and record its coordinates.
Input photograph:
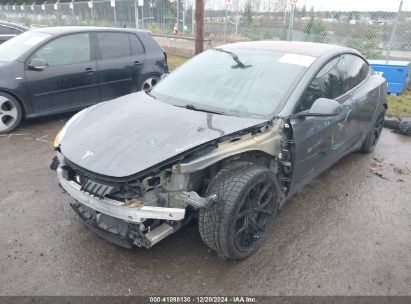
(142, 209)
(138, 212)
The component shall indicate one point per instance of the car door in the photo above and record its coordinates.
(67, 80)
(319, 139)
(120, 62)
(358, 101)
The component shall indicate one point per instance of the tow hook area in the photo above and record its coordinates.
(120, 232)
(191, 198)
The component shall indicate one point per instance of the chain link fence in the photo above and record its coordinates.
(378, 35)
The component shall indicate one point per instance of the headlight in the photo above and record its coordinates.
(58, 138)
(63, 130)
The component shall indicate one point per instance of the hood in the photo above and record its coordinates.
(132, 133)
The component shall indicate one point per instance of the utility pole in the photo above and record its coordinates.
(192, 17)
(199, 42)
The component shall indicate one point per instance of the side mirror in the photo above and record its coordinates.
(37, 64)
(324, 107)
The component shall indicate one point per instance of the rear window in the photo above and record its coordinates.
(113, 45)
(135, 44)
(354, 70)
(5, 30)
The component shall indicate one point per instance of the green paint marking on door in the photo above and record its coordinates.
(335, 145)
(348, 113)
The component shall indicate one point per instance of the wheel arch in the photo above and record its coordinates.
(256, 157)
(272, 149)
(19, 100)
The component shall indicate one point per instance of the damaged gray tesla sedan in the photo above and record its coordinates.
(225, 139)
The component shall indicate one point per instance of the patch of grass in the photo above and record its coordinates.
(174, 61)
(399, 106)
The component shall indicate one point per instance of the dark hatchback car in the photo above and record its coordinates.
(63, 69)
(9, 30)
(226, 138)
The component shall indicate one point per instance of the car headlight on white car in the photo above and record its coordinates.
(63, 130)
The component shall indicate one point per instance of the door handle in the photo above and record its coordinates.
(136, 63)
(89, 70)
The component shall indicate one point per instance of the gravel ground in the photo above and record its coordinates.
(347, 233)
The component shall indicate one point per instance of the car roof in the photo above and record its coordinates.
(61, 30)
(15, 25)
(296, 47)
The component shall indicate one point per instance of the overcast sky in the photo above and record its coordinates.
(360, 5)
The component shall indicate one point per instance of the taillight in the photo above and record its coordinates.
(165, 57)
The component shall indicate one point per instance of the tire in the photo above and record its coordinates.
(10, 113)
(236, 224)
(373, 136)
(148, 83)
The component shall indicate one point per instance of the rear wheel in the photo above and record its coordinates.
(148, 83)
(374, 135)
(10, 113)
(236, 224)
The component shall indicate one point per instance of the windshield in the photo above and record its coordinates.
(17, 46)
(233, 82)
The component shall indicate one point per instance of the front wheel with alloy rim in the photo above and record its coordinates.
(148, 83)
(10, 113)
(374, 135)
(236, 224)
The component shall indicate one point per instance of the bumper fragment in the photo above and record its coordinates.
(119, 232)
(116, 208)
(120, 239)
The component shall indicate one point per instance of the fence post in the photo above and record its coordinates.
(178, 14)
(142, 13)
(24, 12)
(71, 5)
(113, 5)
(90, 5)
(183, 18)
(31, 13)
(136, 13)
(394, 29)
(291, 23)
(225, 21)
(56, 8)
(43, 7)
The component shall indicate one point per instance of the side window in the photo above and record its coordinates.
(16, 31)
(326, 84)
(113, 45)
(70, 49)
(353, 70)
(135, 44)
(5, 30)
